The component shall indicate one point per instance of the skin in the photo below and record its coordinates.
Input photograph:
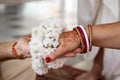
(107, 35)
(69, 43)
(104, 35)
(21, 47)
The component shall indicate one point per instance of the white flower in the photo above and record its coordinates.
(44, 41)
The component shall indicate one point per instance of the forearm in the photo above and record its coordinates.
(106, 35)
(6, 50)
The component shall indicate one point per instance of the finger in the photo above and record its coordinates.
(73, 53)
(56, 54)
(27, 37)
(69, 55)
(78, 50)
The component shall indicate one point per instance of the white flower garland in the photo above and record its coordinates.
(44, 40)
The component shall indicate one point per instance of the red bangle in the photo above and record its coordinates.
(82, 46)
(15, 53)
(83, 38)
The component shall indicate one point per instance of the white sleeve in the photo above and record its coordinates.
(87, 11)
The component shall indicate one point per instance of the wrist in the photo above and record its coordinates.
(22, 48)
(85, 35)
(75, 33)
(15, 51)
(87, 31)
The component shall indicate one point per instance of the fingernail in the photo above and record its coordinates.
(47, 59)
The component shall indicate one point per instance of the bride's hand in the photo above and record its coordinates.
(69, 46)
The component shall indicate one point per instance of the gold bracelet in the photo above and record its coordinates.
(90, 36)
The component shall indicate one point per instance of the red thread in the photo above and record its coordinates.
(14, 51)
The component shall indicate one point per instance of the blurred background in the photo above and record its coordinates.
(17, 17)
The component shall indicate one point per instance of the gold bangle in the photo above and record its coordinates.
(90, 36)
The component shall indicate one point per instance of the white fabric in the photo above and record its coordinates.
(97, 12)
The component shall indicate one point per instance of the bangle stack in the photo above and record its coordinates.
(82, 46)
(86, 41)
(14, 52)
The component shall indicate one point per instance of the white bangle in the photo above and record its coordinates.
(86, 37)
